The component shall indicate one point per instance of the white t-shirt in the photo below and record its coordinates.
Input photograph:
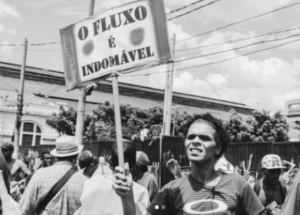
(99, 197)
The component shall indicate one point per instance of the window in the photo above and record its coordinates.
(31, 134)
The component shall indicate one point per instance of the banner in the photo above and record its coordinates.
(123, 39)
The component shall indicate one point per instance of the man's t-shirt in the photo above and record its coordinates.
(186, 196)
(149, 182)
(291, 205)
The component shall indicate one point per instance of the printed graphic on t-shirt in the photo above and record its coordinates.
(205, 206)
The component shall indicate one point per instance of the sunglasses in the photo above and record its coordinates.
(48, 158)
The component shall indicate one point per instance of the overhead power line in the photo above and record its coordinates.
(239, 22)
(32, 44)
(238, 40)
(241, 47)
(46, 93)
(238, 56)
(220, 61)
(184, 7)
(31, 49)
(197, 8)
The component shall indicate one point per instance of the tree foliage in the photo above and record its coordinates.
(64, 121)
(261, 127)
(100, 124)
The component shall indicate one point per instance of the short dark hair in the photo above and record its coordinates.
(221, 137)
(129, 154)
(143, 168)
(69, 158)
(44, 152)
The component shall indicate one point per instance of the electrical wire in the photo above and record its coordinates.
(31, 49)
(50, 91)
(239, 22)
(184, 7)
(197, 8)
(57, 88)
(220, 61)
(32, 44)
(238, 56)
(238, 40)
(241, 47)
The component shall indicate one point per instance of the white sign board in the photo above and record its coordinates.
(122, 39)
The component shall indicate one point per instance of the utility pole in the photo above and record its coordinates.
(3, 118)
(82, 99)
(20, 103)
(167, 109)
(169, 93)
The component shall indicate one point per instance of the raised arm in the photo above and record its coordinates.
(123, 186)
(24, 168)
(249, 164)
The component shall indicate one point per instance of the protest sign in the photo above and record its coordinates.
(124, 39)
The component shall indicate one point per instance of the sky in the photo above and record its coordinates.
(262, 80)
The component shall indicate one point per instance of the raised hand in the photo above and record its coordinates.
(122, 184)
(174, 168)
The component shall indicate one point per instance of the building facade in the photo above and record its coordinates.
(292, 111)
(44, 92)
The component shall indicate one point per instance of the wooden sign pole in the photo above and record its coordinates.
(118, 124)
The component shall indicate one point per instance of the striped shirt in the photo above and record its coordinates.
(186, 196)
(66, 202)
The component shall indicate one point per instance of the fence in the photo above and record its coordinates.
(173, 147)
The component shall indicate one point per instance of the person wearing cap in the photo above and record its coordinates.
(67, 200)
(88, 162)
(141, 175)
(270, 191)
(15, 166)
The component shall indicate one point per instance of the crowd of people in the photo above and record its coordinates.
(70, 181)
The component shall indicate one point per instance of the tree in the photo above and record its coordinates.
(261, 127)
(100, 124)
(64, 121)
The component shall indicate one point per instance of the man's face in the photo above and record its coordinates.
(7, 153)
(47, 160)
(272, 175)
(200, 143)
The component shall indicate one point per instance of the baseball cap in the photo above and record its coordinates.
(271, 161)
(7, 145)
(142, 158)
(86, 159)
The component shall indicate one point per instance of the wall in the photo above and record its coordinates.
(35, 113)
